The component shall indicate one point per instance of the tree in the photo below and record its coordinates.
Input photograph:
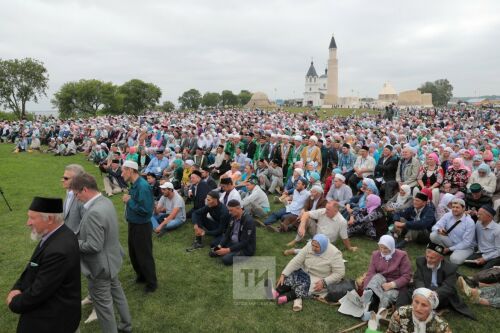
(244, 96)
(22, 81)
(441, 90)
(139, 96)
(210, 99)
(190, 99)
(167, 106)
(228, 98)
(87, 97)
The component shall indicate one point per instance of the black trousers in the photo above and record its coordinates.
(140, 250)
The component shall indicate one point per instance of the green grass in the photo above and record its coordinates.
(195, 291)
(335, 112)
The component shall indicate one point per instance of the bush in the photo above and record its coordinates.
(11, 116)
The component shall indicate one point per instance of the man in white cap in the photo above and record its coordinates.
(139, 209)
(170, 211)
(456, 232)
(312, 153)
(294, 154)
(339, 192)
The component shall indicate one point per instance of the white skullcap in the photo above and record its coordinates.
(340, 176)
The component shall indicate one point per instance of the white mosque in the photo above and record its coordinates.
(323, 90)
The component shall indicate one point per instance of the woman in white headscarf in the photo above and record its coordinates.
(419, 317)
(401, 201)
(485, 178)
(388, 274)
(444, 205)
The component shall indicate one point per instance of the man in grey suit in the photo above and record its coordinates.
(72, 208)
(101, 254)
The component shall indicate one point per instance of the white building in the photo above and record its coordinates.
(315, 87)
(323, 90)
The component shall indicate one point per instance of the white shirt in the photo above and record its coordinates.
(333, 228)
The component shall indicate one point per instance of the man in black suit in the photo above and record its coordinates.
(385, 173)
(198, 192)
(48, 293)
(435, 273)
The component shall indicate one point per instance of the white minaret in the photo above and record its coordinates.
(332, 93)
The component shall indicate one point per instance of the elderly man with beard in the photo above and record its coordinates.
(47, 295)
(439, 275)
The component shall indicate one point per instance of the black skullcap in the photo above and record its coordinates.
(422, 196)
(226, 181)
(346, 145)
(489, 209)
(389, 147)
(47, 205)
(364, 147)
(196, 172)
(436, 248)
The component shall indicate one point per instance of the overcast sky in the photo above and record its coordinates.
(257, 45)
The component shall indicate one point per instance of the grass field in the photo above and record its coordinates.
(195, 291)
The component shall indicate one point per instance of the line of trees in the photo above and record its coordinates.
(192, 99)
(88, 97)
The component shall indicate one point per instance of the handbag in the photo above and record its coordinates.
(338, 290)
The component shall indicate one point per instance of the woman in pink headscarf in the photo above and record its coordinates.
(369, 220)
(456, 177)
(430, 176)
(468, 155)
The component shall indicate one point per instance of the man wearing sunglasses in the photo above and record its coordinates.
(72, 208)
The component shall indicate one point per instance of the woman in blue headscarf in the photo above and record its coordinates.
(317, 265)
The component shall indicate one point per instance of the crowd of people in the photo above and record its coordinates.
(429, 176)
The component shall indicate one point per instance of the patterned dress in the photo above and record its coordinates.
(457, 179)
(363, 223)
(402, 322)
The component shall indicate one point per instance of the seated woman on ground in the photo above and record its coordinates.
(419, 316)
(317, 265)
(388, 274)
(402, 200)
(361, 221)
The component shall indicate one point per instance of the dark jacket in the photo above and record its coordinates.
(246, 235)
(117, 175)
(309, 203)
(387, 169)
(200, 194)
(219, 214)
(210, 182)
(146, 162)
(251, 148)
(50, 284)
(446, 280)
(426, 221)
